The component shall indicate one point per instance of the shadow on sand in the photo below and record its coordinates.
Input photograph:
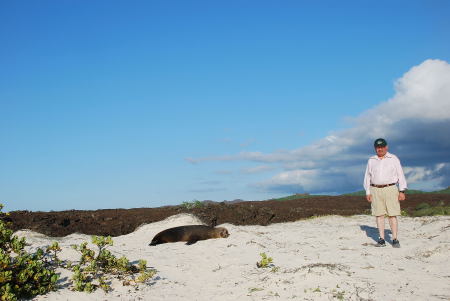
(372, 232)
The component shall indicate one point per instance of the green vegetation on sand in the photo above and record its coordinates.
(425, 209)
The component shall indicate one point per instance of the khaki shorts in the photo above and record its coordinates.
(385, 201)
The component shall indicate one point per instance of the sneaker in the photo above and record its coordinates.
(381, 243)
(396, 243)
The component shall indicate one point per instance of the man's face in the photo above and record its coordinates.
(381, 150)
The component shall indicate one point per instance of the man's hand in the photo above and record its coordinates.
(369, 198)
(401, 196)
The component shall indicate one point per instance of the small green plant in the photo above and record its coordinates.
(339, 295)
(265, 261)
(193, 204)
(144, 273)
(22, 275)
(82, 281)
(255, 289)
(52, 252)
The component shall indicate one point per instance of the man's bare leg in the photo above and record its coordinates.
(380, 225)
(394, 226)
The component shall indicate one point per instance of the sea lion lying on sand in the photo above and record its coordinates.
(190, 234)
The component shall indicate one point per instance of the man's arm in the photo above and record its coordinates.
(402, 186)
(367, 183)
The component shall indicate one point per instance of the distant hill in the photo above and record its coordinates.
(363, 192)
(409, 191)
(294, 197)
(235, 201)
(446, 190)
(356, 193)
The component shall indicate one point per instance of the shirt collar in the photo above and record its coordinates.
(388, 155)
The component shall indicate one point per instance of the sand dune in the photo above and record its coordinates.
(326, 258)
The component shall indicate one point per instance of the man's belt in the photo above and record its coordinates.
(381, 186)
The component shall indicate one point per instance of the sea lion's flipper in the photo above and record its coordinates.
(193, 239)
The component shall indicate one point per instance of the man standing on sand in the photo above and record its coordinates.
(383, 172)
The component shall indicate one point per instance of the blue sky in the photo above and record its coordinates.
(119, 104)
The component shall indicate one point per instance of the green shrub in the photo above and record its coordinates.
(96, 269)
(423, 206)
(404, 213)
(425, 209)
(437, 210)
(193, 204)
(22, 275)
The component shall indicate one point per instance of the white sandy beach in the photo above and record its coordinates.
(326, 258)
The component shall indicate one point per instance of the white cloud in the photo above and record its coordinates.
(422, 93)
(257, 169)
(330, 180)
(417, 174)
(300, 179)
(415, 121)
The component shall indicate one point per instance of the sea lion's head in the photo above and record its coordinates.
(222, 232)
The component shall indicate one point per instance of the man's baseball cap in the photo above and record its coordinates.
(380, 142)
